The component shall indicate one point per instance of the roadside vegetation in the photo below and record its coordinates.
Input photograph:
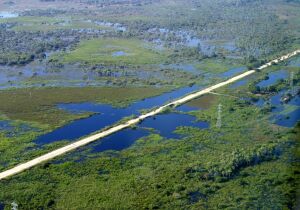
(246, 163)
(120, 51)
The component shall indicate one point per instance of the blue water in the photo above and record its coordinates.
(119, 53)
(120, 140)
(2, 206)
(294, 62)
(260, 102)
(232, 72)
(273, 78)
(190, 68)
(163, 124)
(107, 115)
(6, 125)
(239, 83)
(167, 123)
(287, 120)
(11, 130)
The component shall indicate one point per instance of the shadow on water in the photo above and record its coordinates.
(106, 116)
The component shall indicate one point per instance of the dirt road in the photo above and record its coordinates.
(116, 128)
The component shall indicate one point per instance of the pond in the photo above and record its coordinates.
(163, 124)
(288, 120)
(232, 72)
(105, 115)
(242, 82)
(119, 53)
(283, 114)
(273, 77)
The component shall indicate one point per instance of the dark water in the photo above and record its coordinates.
(107, 115)
(232, 72)
(194, 197)
(239, 83)
(164, 124)
(6, 125)
(167, 123)
(273, 78)
(289, 120)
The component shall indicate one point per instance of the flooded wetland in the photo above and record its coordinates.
(71, 70)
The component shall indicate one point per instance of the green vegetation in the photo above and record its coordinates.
(216, 66)
(242, 165)
(39, 105)
(129, 50)
(203, 102)
(101, 51)
(33, 24)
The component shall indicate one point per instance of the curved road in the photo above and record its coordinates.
(94, 137)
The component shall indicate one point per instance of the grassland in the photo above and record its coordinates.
(39, 105)
(248, 163)
(216, 66)
(100, 51)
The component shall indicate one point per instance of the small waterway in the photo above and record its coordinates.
(106, 115)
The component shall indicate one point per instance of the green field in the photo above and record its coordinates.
(100, 51)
